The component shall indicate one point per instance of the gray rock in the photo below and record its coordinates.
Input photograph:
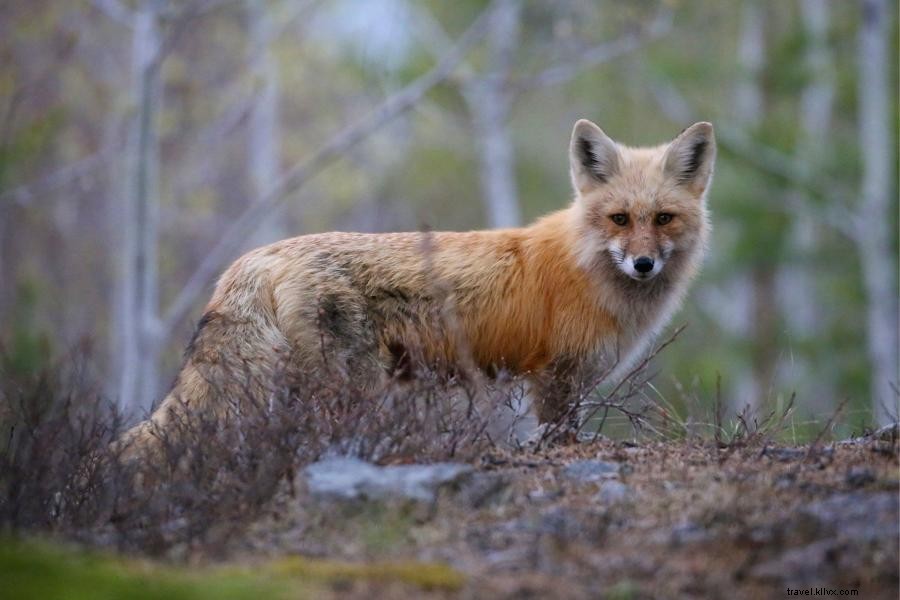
(860, 477)
(543, 496)
(888, 433)
(566, 523)
(592, 470)
(482, 489)
(784, 481)
(858, 515)
(688, 532)
(843, 532)
(351, 478)
(613, 492)
(804, 566)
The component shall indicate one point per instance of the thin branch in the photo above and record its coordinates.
(432, 35)
(814, 445)
(237, 111)
(181, 19)
(570, 68)
(771, 161)
(629, 378)
(290, 12)
(116, 11)
(24, 194)
(196, 8)
(344, 140)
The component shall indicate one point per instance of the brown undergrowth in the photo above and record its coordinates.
(62, 472)
(217, 479)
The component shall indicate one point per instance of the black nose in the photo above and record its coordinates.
(643, 264)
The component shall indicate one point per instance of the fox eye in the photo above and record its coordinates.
(663, 219)
(619, 219)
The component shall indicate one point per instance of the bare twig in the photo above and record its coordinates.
(771, 161)
(116, 11)
(349, 137)
(814, 445)
(634, 381)
(596, 55)
(785, 413)
(436, 40)
(24, 194)
(719, 407)
(629, 378)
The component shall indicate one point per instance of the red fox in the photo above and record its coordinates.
(587, 284)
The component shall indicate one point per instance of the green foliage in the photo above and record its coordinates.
(27, 143)
(28, 348)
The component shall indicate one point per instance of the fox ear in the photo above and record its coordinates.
(690, 157)
(593, 157)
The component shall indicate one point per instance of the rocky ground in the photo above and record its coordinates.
(604, 519)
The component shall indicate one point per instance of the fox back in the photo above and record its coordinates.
(580, 289)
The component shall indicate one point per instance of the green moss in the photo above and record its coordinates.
(41, 570)
(428, 576)
(623, 590)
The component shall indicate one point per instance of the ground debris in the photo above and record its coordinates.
(661, 519)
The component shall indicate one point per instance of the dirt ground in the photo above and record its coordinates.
(618, 520)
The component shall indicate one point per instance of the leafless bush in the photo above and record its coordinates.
(52, 423)
(63, 472)
(597, 395)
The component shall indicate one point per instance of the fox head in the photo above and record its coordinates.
(640, 209)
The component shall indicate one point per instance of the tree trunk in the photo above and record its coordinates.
(750, 384)
(140, 276)
(876, 214)
(264, 143)
(489, 103)
(796, 283)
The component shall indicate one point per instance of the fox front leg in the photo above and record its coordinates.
(558, 390)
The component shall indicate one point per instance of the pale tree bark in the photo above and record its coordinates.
(798, 296)
(264, 143)
(138, 285)
(739, 303)
(749, 97)
(490, 94)
(489, 102)
(749, 385)
(878, 208)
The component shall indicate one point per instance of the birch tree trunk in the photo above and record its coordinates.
(137, 340)
(749, 386)
(796, 283)
(264, 141)
(489, 102)
(878, 258)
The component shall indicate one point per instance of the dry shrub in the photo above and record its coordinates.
(61, 471)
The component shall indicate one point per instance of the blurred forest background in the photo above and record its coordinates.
(145, 144)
